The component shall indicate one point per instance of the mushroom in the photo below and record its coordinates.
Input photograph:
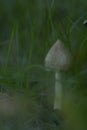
(58, 59)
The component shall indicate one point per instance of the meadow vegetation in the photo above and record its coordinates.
(28, 28)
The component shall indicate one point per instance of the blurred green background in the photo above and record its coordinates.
(28, 28)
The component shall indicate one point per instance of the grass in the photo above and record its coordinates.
(28, 30)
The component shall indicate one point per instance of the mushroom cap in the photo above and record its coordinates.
(58, 57)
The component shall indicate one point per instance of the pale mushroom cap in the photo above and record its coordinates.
(58, 57)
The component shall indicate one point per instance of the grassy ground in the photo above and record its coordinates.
(27, 31)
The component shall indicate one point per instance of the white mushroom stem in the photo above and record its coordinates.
(58, 91)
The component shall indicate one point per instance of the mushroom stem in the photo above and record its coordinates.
(58, 91)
